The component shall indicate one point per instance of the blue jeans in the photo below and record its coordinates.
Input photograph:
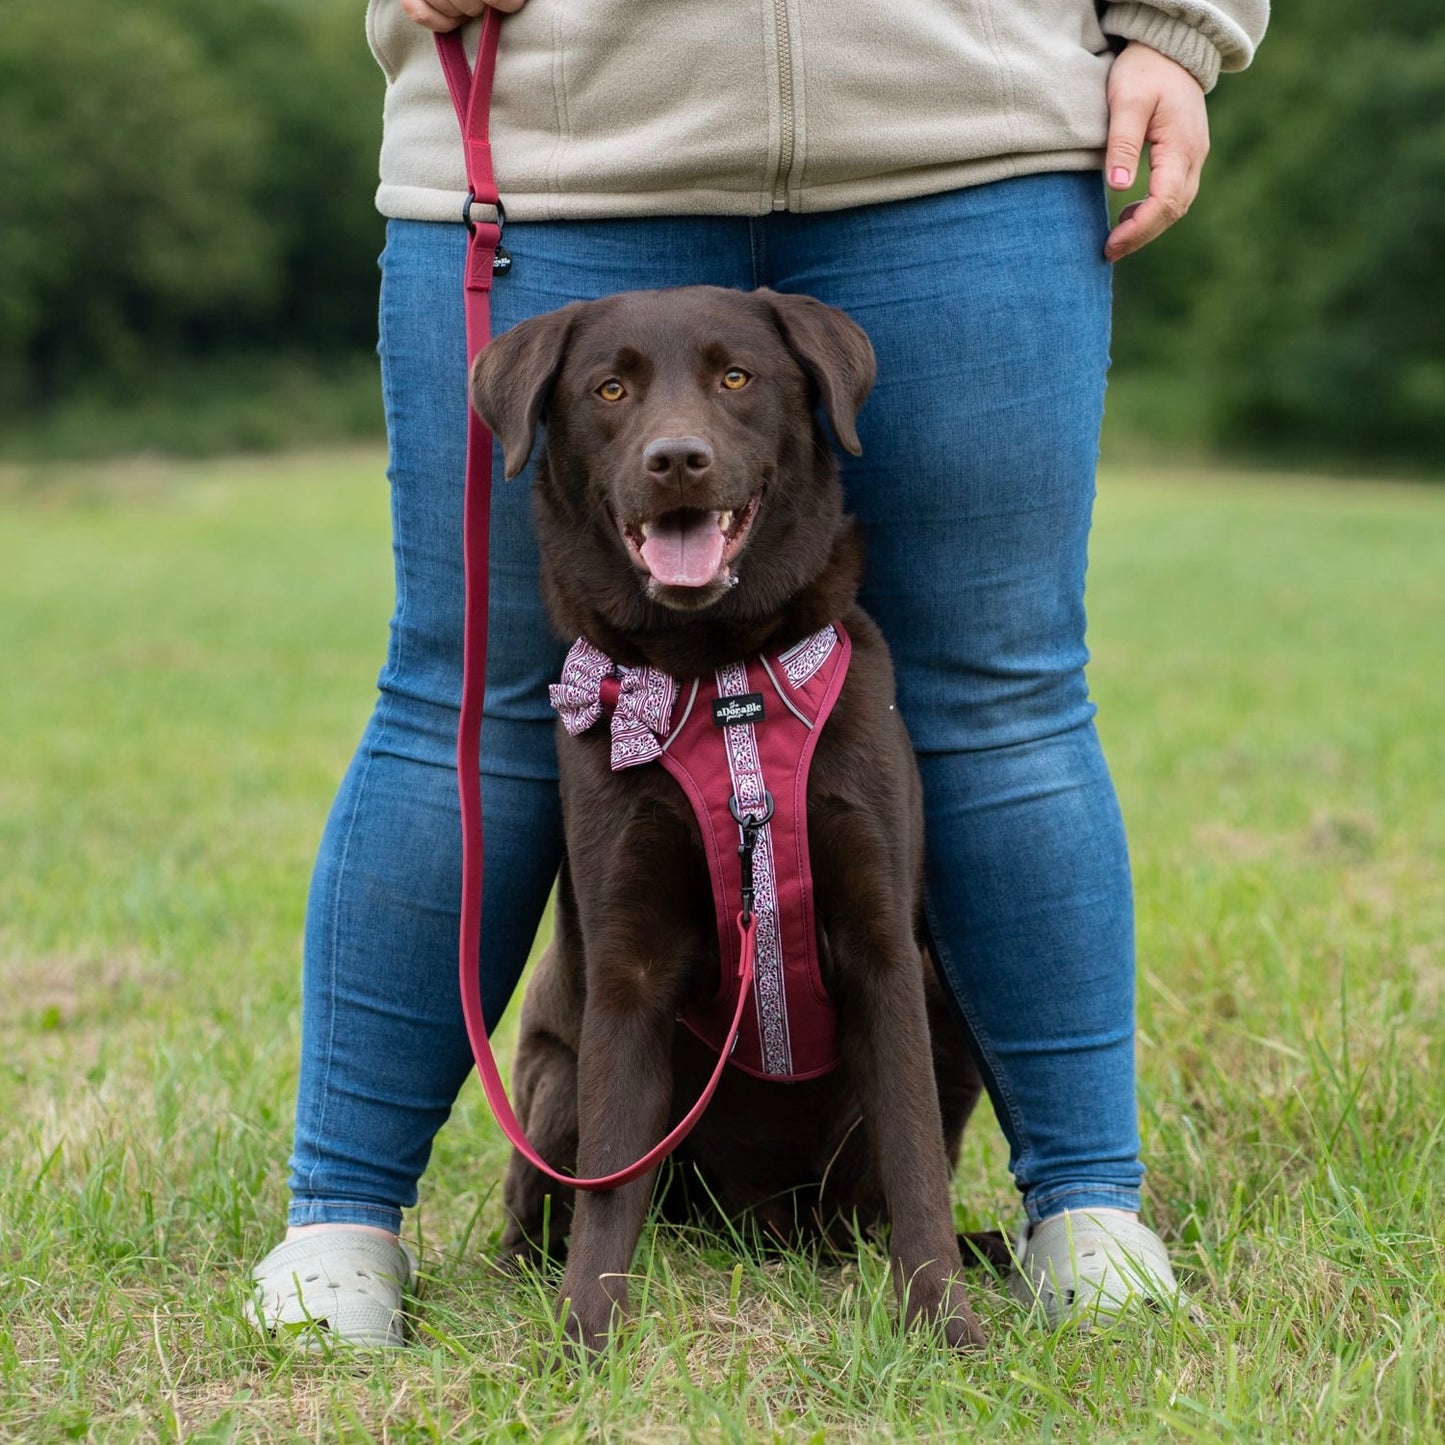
(989, 310)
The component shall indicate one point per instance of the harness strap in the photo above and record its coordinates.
(471, 93)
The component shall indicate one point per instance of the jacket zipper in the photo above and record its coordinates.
(787, 124)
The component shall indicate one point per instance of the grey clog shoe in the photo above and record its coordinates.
(1093, 1265)
(336, 1287)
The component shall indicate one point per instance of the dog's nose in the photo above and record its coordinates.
(689, 456)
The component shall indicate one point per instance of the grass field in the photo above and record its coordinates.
(189, 652)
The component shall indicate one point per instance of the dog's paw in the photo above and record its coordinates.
(960, 1325)
(589, 1307)
(945, 1305)
(586, 1330)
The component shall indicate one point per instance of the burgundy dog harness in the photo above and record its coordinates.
(739, 744)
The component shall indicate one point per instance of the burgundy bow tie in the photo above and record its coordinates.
(640, 700)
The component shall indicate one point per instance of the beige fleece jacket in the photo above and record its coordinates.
(739, 107)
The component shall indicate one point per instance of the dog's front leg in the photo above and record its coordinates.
(886, 1048)
(624, 1091)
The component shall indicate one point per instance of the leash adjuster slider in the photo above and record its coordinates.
(502, 259)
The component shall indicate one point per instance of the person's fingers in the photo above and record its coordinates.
(1129, 118)
(1155, 103)
(1173, 185)
(442, 15)
(433, 14)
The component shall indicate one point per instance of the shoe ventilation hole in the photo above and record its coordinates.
(1068, 1299)
(312, 1278)
(362, 1274)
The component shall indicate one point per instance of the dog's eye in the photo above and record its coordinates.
(612, 390)
(735, 378)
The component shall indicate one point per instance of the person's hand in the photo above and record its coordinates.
(1155, 102)
(442, 15)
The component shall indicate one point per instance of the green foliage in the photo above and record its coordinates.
(1305, 293)
(179, 180)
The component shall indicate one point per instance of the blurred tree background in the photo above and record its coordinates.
(187, 232)
(1300, 308)
(185, 212)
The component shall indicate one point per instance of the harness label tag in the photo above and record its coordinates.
(747, 708)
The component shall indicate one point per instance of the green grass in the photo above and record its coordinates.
(189, 651)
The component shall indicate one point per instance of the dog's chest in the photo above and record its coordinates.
(739, 744)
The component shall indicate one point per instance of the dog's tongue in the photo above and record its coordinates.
(684, 549)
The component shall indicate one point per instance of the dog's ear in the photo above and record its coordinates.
(512, 378)
(835, 352)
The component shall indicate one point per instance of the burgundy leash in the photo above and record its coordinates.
(471, 93)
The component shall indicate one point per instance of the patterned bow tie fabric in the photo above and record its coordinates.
(640, 715)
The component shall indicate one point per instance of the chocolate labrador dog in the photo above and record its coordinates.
(690, 514)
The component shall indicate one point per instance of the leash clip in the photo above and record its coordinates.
(751, 824)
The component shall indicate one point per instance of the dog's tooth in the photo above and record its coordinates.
(646, 529)
(724, 520)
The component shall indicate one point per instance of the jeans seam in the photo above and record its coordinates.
(757, 252)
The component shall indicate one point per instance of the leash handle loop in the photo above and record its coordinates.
(471, 93)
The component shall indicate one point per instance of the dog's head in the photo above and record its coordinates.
(685, 469)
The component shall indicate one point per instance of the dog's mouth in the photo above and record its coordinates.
(689, 547)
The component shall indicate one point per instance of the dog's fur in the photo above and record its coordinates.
(602, 1067)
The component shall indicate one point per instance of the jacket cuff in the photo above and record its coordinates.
(1179, 36)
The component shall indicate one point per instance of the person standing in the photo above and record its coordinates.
(934, 170)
